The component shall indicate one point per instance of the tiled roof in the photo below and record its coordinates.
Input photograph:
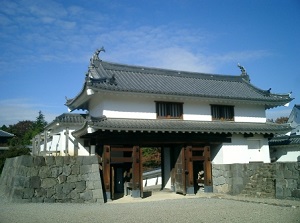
(285, 140)
(68, 118)
(5, 134)
(168, 125)
(125, 78)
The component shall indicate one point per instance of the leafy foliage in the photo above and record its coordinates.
(24, 131)
(280, 120)
(151, 158)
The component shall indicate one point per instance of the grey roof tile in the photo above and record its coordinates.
(166, 125)
(5, 134)
(285, 140)
(125, 78)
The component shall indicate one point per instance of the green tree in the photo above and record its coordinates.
(281, 120)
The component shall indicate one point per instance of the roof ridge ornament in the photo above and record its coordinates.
(95, 57)
(244, 72)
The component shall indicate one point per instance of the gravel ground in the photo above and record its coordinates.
(160, 207)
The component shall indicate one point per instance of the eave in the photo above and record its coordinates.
(178, 126)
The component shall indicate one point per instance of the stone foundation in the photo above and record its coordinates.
(52, 179)
(276, 180)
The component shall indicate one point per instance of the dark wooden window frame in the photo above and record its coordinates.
(222, 112)
(169, 110)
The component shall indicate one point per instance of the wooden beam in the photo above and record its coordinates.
(121, 149)
(121, 160)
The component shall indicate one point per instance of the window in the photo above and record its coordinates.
(222, 112)
(169, 110)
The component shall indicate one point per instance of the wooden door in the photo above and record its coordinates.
(179, 169)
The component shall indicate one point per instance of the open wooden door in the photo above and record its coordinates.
(179, 169)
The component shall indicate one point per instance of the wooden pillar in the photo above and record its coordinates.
(106, 171)
(207, 170)
(137, 185)
(189, 179)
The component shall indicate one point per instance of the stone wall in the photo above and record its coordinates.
(276, 180)
(52, 179)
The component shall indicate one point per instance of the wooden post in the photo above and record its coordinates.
(106, 171)
(189, 177)
(207, 170)
(39, 145)
(67, 141)
(137, 185)
(45, 142)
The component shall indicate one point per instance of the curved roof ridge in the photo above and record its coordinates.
(167, 72)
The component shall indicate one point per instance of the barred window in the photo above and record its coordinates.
(222, 112)
(169, 110)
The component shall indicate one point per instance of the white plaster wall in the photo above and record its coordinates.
(142, 107)
(196, 111)
(167, 168)
(238, 152)
(58, 143)
(123, 107)
(291, 154)
(249, 113)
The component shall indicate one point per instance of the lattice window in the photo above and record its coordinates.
(171, 110)
(222, 112)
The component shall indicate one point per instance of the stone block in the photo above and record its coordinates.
(72, 178)
(50, 192)
(50, 160)
(59, 160)
(68, 187)
(17, 193)
(80, 186)
(94, 176)
(56, 171)
(87, 195)
(67, 160)
(20, 181)
(74, 195)
(45, 172)
(89, 160)
(48, 182)
(61, 179)
(41, 192)
(90, 185)
(75, 169)
(33, 171)
(34, 182)
(295, 193)
(66, 170)
(26, 161)
(95, 168)
(97, 194)
(39, 161)
(97, 184)
(84, 169)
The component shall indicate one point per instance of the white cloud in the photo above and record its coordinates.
(20, 109)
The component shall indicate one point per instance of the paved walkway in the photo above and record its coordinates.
(157, 195)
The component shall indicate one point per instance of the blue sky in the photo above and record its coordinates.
(46, 45)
